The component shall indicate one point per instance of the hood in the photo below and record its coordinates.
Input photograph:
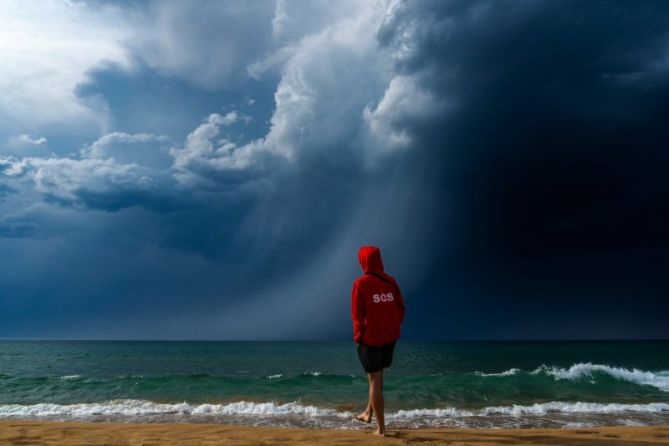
(370, 259)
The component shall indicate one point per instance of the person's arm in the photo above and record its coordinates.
(357, 313)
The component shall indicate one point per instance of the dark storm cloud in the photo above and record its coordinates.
(508, 157)
(553, 164)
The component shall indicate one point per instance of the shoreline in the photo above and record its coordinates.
(47, 433)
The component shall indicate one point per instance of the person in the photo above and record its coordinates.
(377, 310)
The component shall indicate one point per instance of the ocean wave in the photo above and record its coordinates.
(142, 407)
(659, 380)
(535, 409)
(576, 407)
(132, 408)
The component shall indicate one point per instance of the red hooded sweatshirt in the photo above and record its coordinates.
(377, 305)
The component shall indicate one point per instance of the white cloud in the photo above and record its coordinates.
(46, 48)
(12, 167)
(294, 20)
(328, 81)
(65, 178)
(275, 60)
(104, 168)
(209, 43)
(121, 167)
(199, 140)
(73, 180)
(201, 154)
(403, 103)
(219, 43)
(99, 147)
(25, 138)
(143, 149)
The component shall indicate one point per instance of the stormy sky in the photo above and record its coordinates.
(208, 169)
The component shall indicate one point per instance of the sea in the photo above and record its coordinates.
(322, 385)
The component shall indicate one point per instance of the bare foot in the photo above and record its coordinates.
(379, 432)
(364, 417)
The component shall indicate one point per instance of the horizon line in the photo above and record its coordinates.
(332, 340)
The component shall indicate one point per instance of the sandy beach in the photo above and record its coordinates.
(26, 432)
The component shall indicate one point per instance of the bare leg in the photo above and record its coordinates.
(376, 397)
(366, 416)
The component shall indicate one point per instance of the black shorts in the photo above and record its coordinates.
(375, 359)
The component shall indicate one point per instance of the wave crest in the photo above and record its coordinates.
(659, 380)
(586, 369)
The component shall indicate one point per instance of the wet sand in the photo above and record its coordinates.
(27, 432)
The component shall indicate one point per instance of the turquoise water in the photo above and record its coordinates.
(321, 384)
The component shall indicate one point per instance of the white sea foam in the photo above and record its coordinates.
(277, 376)
(448, 412)
(142, 407)
(509, 372)
(70, 377)
(578, 424)
(537, 409)
(577, 407)
(248, 408)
